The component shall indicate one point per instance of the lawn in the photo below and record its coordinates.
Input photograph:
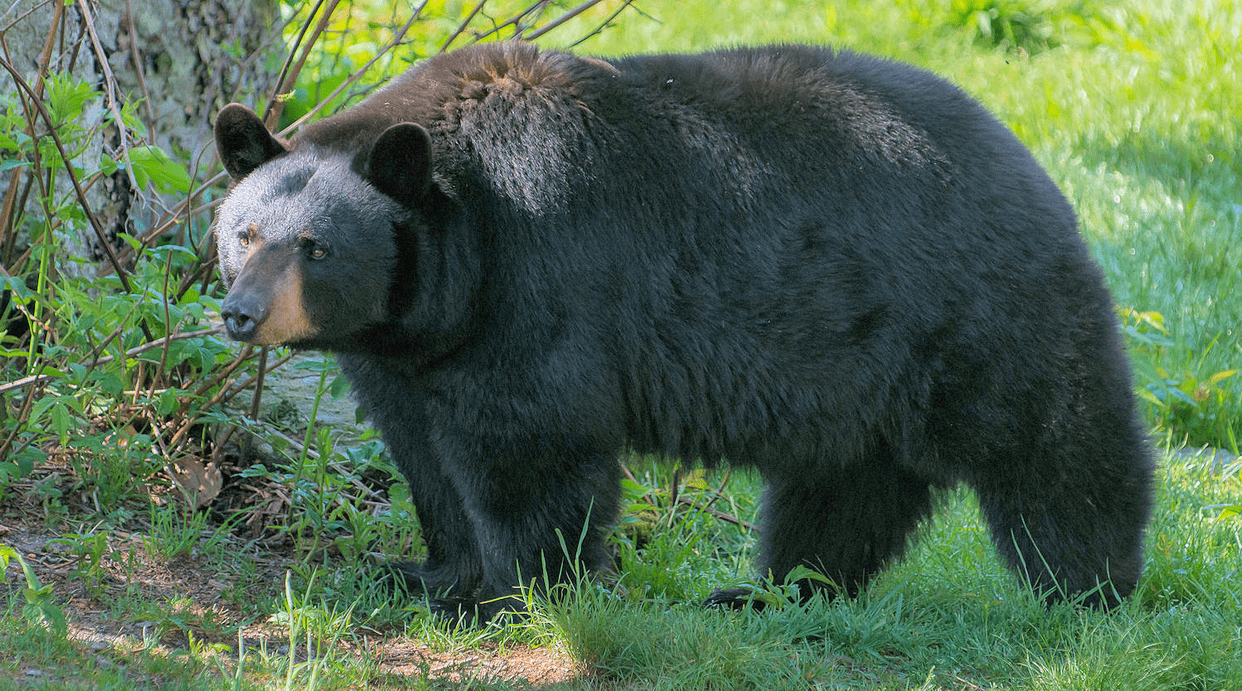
(1134, 108)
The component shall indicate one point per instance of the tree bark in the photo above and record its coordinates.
(174, 63)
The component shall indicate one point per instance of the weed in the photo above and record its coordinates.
(88, 551)
(40, 607)
(1198, 408)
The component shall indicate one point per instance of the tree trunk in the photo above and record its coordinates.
(171, 63)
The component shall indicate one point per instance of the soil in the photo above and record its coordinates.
(202, 601)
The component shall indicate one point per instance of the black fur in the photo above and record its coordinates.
(834, 268)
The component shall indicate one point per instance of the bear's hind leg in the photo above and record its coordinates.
(1077, 526)
(845, 522)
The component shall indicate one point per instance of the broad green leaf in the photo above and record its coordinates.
(153, 164)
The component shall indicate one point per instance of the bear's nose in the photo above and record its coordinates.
(242, 315)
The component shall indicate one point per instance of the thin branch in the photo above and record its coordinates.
(568, 16)
(284, 69)
(22, 416)
(151, 345)
(137, 58)
(9, 208)
(515, 21)
(220, 397)
(461, 28)
(258, 385)
(357, 74)
(728, 518)
(170, 219)
(31, 10)
(604, 24)
(277, 105)
(73, 178)
(109, 81)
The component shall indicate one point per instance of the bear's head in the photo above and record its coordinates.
(310, 238)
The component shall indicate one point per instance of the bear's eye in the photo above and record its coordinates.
(243, 238)
(312, 248)
(316, 251)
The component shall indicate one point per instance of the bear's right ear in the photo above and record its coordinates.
(243, 142)
(400, 163)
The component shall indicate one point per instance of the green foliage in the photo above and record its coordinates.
(1199, 409)
(1033, 26)
(40, 607)
(176, 532)
(88, 551)
(321, 629)
(350, 53)
(680, 530)
(98, 363)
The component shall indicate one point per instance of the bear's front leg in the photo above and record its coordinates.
(541, 509)
(452, 567)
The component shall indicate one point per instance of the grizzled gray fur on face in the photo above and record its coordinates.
(837, 269)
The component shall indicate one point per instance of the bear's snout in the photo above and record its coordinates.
(242, 315)
(264, 305)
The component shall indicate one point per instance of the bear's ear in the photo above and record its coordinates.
(243, 142)
(400, 163)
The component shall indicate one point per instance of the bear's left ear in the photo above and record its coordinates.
(400, 163)
(243, 142)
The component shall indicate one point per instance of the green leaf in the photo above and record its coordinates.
(801, 573)
(153, 164)
(316, 365)
(1221, 376)
(42, 610)
(109, 383)
(39, 607)
(1150, 397)
(339, 387)
(18, 288)
(67, 97)
(62, 420)
(167, 402)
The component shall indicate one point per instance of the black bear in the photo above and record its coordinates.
(837, 269)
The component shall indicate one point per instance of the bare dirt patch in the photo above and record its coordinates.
(118, 595)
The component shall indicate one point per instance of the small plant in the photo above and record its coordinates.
(177, 532)
(88, 551)
(102, 366)
(316, 630)
(1196, 407)
(40, 607)
(1030, 26)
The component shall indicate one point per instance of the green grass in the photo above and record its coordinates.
(1132, 106)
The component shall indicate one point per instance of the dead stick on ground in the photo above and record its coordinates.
(728, 518)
